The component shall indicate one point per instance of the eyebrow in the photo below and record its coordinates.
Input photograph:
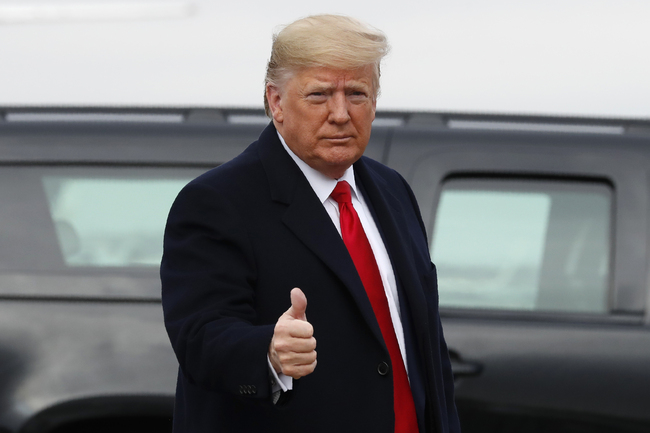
(358, 87)
(319, 87)
(322, 87)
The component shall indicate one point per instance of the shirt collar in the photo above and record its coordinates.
(321, 184)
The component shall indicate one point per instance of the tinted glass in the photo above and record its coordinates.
(110, 221)
(85, 230)
(523, 245)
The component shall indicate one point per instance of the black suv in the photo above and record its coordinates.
(538, 227)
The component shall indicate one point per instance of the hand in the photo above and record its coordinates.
(292, 350)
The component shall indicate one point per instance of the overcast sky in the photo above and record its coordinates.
(574, 57)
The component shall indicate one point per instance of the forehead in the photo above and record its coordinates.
(329, 77)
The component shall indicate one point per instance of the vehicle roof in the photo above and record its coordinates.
(163, 135)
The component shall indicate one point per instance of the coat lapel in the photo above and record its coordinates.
(308, 220)
(390, 221)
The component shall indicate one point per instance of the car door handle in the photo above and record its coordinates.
(465, 369)
(461, 368)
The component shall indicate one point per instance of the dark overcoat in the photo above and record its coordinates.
(238, 239)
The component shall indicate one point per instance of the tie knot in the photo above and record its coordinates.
(341, 193)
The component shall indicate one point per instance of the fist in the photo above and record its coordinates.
(293, 347)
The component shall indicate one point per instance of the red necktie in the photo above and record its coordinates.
(364, 260)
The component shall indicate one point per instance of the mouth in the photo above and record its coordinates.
(339, 138)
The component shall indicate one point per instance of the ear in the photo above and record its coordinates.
(274, 98)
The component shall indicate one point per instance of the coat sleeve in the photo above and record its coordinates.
(208, 277)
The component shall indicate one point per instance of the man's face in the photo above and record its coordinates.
(325, 116)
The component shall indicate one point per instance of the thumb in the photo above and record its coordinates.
(298, 305)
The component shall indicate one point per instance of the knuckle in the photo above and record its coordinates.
(291, 370)
(298, 327)
(284, 357)
(281, 346)
(281, 327)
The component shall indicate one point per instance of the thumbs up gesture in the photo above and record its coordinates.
(293, 347)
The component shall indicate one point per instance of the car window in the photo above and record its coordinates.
(66, 218)
(523, 245)
(110, 221)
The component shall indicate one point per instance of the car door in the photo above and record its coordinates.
(540, 242)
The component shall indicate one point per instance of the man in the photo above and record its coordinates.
(301, 217)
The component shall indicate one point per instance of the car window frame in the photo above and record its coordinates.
(132, 283)
(426, 162)
(531, 183)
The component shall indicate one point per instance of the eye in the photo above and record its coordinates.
(358, 96)
(317, 96)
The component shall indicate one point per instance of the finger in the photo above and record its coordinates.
(298, 305)
(293, 345)
(298, 345)
(288, 327)
(298, 371)
(300, 329)
(296, 359)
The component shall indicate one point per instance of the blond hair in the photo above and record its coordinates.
(331, 41)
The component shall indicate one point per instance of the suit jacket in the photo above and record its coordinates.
(238, 239)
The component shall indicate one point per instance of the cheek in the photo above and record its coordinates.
(363, 117)
(364, 129)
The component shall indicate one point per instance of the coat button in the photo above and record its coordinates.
(383, 368)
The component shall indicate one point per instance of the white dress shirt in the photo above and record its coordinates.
(323, 187)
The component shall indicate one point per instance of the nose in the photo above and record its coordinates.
(338, 108)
